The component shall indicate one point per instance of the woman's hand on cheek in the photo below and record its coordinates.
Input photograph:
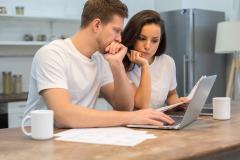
(135, 57)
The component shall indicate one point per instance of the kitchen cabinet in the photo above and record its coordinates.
(12, 108)
(15, 113)
(3, 115)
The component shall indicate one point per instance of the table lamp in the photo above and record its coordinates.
(228, 41)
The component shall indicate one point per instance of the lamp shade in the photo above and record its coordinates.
(228, 37)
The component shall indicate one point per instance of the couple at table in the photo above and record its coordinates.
(128, 67)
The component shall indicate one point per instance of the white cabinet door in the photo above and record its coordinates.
(15, 113)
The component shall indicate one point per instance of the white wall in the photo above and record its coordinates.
(167, 5)
(135, 6)
(230, 7)
(46, 8)
(63, 8)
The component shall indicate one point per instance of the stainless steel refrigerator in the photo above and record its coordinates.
(191, 35)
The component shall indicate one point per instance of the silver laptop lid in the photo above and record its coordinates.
(199, 98)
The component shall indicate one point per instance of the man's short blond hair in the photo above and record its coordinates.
(102, 9)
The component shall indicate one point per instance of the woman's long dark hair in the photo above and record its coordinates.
(133, 29)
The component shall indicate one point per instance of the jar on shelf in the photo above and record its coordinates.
(3, 10)
(17, 84)
(28, 37)
(7, 82)
(41, 37)
(19, 10)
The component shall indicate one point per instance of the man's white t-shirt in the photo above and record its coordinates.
(163, 78)
(60, 65)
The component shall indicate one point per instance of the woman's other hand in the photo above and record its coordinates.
(184, 99)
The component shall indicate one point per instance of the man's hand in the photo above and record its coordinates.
(150, 116)
(115, 52)
(135, 57)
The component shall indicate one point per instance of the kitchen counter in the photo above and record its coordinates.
(13, 97)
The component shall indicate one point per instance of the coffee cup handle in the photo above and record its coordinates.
(23, 127)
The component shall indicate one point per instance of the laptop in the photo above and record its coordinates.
(193, 110)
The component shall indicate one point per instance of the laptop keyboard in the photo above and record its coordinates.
(177, 120)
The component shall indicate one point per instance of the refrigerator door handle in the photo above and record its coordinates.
(184, 75)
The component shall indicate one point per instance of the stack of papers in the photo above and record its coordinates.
(111, 136)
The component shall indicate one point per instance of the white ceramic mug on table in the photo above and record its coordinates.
(41, 124)
(221, 108)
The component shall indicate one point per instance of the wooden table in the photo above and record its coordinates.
(203, 139)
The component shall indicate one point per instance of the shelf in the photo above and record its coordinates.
(33, 18)
(13, 27)
(13, 97)
(22, 43)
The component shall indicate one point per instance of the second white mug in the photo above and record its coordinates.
(221, 108)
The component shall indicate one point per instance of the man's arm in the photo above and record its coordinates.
(68, 115)
(119, 94)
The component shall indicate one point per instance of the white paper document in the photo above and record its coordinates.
(190, 96)
(165, 108)
(112, 136)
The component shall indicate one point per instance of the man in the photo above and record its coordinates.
(68, 75)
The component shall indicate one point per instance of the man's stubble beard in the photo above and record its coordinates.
(101, 47)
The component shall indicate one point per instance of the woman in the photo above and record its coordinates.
(154, 76)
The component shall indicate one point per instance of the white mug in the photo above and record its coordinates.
(41, 124)
(221, 108)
